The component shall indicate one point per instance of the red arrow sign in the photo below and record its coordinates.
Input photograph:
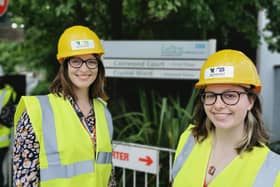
(147, 159)
(3, 7)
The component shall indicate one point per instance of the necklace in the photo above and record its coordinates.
(211, 170)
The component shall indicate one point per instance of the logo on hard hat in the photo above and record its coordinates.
(219, 72)
(82, 44)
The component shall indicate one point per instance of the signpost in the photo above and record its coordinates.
(3, 7)
(156, 59)
(136, 157)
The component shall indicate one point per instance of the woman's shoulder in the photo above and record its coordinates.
(270, 169)
(268, 158)
(185, 135)
(102, 101)
(274, 157)
(187, 132)
(24, 123)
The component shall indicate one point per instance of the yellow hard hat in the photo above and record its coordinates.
(229, 67)
(78, 40)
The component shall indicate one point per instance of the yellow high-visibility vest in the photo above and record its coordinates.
(257, 168)
(7, 93)
(67, 156)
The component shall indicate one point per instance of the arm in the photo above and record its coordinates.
(25, 154)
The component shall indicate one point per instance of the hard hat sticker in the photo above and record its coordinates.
(82, 44)
(219, 72)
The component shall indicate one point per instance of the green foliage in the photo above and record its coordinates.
(273, 14)
(159, 122)
(8, 61)
(161, 9)
(41, 89)
(44, 21)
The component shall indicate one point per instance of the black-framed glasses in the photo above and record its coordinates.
(228, 97)
(77, 62)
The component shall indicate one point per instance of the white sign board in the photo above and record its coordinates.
(154, 63)
(135, 157)
(156, 59)
(153, 68)
(152, 73)
(159, 49)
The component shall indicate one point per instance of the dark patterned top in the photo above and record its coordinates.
(26, 149)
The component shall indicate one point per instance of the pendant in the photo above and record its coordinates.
(211, 170)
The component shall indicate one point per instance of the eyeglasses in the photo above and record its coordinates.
(78, 62)
(228, 97)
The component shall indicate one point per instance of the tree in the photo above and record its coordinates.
(232, 23)
(273, 14)
(44, 21)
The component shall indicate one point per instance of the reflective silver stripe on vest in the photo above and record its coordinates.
(66, 171)
(268, 173)
(108, 117)
(2, 96)
(182, 157)
(55, 168)
(109, 122)
(4, 138)
(104, 158)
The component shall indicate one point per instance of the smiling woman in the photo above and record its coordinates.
(64, 138)
(82, 71)
(228, 140)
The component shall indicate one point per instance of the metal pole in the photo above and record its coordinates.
(170, 166)
(134, 178)
(146, 180)
(123, 177)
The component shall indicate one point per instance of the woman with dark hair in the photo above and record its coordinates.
(64, 138)
(227, 144)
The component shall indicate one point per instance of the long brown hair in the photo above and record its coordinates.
(63, 86)
(255, 132)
